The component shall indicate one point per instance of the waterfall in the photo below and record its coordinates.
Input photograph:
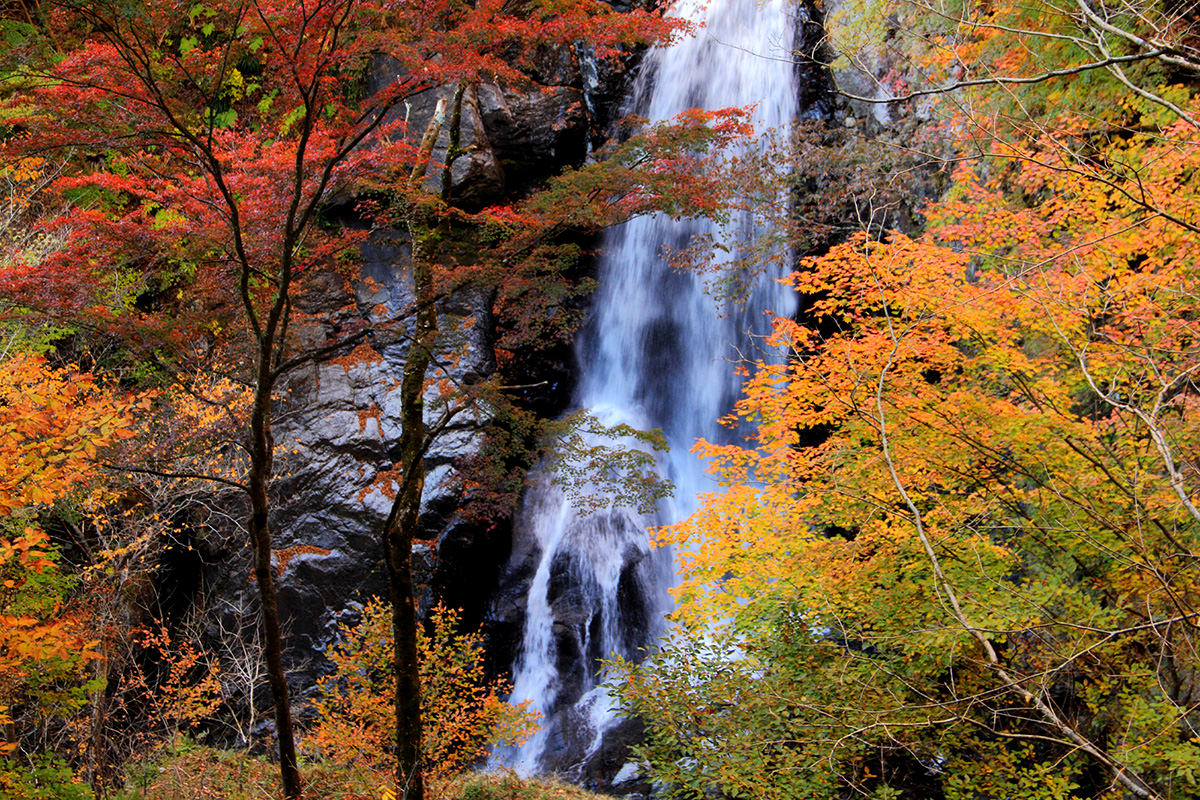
(658, 352)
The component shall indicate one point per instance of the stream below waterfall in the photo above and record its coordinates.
(658, 352)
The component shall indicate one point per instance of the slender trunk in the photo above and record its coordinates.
(261, 456)
(401, 527)
(410, 780)
(400, 532)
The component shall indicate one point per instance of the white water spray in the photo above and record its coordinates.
(659, 352)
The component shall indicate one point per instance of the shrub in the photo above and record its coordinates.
(463, 713)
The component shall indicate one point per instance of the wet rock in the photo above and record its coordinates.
(532, 133)
(475, 176)
(336, 432)
(609, 768)
(322, 292)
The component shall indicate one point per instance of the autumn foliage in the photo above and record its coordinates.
(463, 713)
(955, 557)
(53, 424)
(211, 152)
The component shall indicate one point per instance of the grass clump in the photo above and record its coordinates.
(508, 786)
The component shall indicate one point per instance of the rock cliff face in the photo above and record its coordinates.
(338, 426)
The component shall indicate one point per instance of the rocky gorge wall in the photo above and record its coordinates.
(337, 427)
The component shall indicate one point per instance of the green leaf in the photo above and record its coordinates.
(264, 105)
(13, 33)
(291, 118)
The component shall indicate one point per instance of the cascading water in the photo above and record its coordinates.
(658, 352)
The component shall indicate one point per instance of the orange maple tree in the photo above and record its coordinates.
(54, 423)
(463, 713)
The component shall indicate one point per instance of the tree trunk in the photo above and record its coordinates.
(261, 456)
(401, 529)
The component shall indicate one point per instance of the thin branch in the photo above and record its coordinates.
(1001, 80)
(166, 474)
